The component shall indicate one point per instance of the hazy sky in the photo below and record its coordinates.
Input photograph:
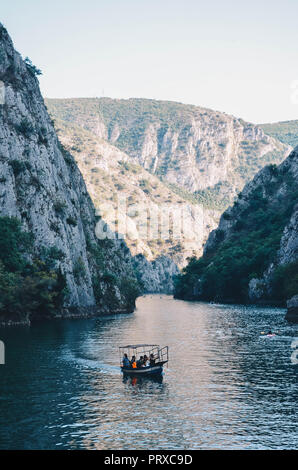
(236, 56)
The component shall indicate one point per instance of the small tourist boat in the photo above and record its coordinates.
(160, 356)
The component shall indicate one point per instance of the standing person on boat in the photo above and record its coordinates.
(152, 360)
(125, 361)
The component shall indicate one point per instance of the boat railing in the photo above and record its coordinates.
(164, 354)
(159, 354)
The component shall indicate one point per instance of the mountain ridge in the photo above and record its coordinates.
(136, 132)
(284, 131)
(182, 144)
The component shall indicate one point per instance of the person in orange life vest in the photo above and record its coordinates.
(133, 362)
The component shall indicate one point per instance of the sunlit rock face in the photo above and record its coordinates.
(189, 146)
(164, 154)
(156, 276)
(128, 198)
(41, 185)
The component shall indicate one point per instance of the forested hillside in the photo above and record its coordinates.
(253, 255)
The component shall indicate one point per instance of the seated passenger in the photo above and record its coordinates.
(125, 361)
(145, 361)
(140, 362)
(133, 362)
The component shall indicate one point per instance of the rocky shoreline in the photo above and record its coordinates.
(292, 310)
(66, 314)
(74, 313)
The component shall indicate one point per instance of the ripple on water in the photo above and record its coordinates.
(227, 385)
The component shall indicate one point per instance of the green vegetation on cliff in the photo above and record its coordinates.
(285, 281)
(214, 198)
(200, 152)
(247, 247)
(162, 153)
(43, 188)
(284, 131)
(31, 285)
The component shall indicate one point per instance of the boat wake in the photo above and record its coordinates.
(93, 363)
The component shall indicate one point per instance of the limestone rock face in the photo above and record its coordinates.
(189, 146)
(289, 242)
(292, 312)
(156, 276)
(158, 153)
(128, 197)
(256, 289)
(41, 185)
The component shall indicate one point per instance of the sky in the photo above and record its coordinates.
(236, 56)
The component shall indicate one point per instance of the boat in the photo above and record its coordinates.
(159, 354)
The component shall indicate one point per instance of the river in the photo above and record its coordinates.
(226, 385)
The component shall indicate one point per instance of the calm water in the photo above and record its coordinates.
(226, 386)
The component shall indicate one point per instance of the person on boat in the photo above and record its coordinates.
(140, 362)
(133, 362)
(145, 362)
(152, 360)
(125, 361)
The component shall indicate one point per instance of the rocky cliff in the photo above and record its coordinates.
(292, 309)
(42, 187)
(160, 156)
(253, 254)
(205, 152)
(130, 199)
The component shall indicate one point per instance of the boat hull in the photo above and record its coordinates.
(144, 371)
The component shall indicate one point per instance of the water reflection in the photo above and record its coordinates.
(143, 383)
(226, 385)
